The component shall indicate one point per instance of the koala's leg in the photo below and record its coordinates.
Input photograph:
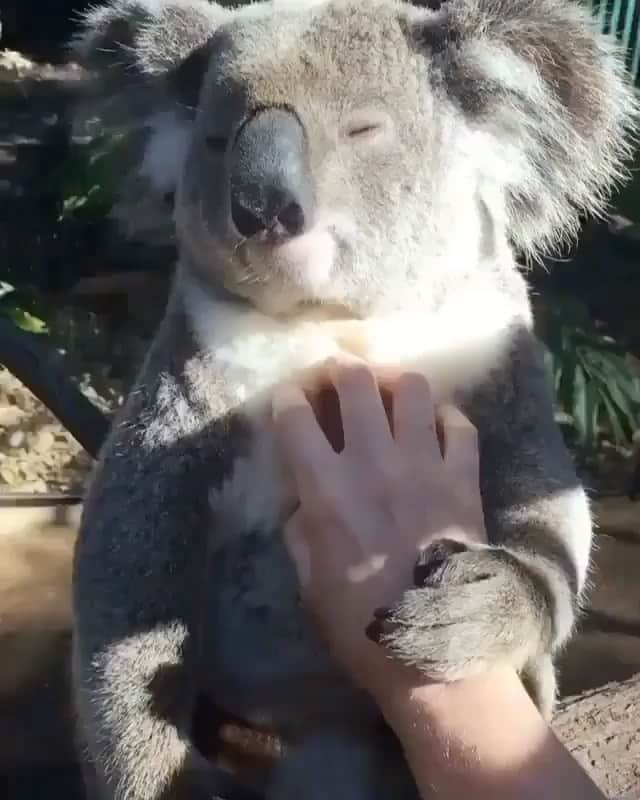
(139, 576)
(514, 601)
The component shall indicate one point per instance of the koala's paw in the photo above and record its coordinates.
(472, 607)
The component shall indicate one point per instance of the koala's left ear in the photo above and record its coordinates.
(549, 95)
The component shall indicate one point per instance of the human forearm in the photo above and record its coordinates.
(481, 738)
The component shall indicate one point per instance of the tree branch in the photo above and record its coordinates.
(35, 364)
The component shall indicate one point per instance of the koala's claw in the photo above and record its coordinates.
(378, 625)
(472, 607)
(429, 566)
(430, 570)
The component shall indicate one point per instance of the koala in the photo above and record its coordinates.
(356, 175)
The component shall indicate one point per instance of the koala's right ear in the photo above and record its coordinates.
(163, 44)
(146, 60)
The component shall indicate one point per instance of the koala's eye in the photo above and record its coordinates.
(367, 127)
(361, 131)
(217, 144)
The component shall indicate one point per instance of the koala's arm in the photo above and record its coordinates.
(514, 601)
(559, 119)
(139, 574)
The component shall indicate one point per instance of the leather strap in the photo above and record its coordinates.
(235, 744)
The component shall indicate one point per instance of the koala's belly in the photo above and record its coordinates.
(262, 659)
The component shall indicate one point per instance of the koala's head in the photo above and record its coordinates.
(368, 153)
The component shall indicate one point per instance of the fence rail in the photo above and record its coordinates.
(622, 18)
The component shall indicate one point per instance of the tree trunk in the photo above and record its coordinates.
(601, 728)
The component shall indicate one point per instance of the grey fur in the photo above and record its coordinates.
(497, 123)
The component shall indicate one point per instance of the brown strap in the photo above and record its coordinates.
(235, 744)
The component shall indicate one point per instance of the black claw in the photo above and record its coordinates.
(433, 558)
(382, 613)
(381, 626)
(373, 631)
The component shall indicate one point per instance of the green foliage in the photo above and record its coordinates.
(18, 307)
(597, 393)
(87, 180)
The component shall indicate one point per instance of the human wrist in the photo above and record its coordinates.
(465, 704)
(483, 707)
(398, 688)
(480, 734)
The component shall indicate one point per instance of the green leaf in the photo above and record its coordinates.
(581, 410)
(24, 320)
(614, 422)
(5, 289)
(624, 405)
(595, 389)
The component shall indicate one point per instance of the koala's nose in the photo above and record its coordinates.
(281, 215)
(271, 188)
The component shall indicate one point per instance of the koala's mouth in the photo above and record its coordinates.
(306, 260)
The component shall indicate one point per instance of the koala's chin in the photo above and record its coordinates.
(301, 267)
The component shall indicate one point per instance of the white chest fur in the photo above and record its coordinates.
(251, 352)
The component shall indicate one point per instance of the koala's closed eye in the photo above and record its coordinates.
(368, 127)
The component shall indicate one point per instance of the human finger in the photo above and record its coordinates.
(460, 446)
(303, 444)
(414, 422)
(364, 419)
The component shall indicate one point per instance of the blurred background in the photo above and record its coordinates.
(79, 302)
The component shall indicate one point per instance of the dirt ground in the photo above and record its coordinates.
(607, 647)
(36, 453)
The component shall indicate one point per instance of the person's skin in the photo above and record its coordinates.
(399, 483)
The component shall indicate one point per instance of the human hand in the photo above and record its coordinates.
(366, 512)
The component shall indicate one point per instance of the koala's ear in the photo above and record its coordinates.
(429, 28)
(146, 60)
(549, 97)
(184, 82)
(164, 44)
